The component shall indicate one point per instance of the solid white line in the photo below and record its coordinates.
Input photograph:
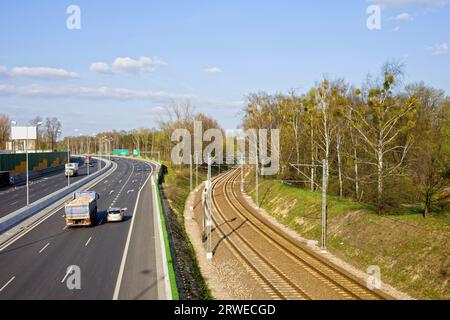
(167, 287)
(127, 244)
(67, 273)
(28, 229)
(89, 240)
(10, 280)
(40, 251)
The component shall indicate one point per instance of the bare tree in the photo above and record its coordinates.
(382, 123)
(35, 122)
(5, 126)
(53, 128)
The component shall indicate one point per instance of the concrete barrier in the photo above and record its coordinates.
(21, 214)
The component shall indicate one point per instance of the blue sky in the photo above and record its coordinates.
(131, 59)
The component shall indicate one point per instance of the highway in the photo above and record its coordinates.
(14, 198)
(35, 266)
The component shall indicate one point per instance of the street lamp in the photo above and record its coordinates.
(89, 161)
(13, 123)
(87, 154)
(27, 164)
(37, 136)
(108, 140)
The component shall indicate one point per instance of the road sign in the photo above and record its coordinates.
(23, 133)
(121, 152)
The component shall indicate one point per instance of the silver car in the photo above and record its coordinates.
(115, 214)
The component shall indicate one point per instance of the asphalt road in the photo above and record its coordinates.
(36, 265)
(14, 198)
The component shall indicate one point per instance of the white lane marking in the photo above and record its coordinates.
(111, 192)
(89, 240)
(34, 225)
(127, 244)
(158, 225)
(65, 227)
(40, 251)
(132, 190)
(10, 280)
(106, 181)
(67, 273)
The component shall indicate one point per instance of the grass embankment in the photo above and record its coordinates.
(412, 252)
(176, 189)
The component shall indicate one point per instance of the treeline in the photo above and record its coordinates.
(49, 130)
(384, 142)
(151, 142)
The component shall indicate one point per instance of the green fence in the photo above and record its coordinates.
(16, 163)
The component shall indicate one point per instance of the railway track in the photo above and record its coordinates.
(277, 261)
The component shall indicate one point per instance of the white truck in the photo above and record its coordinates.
(82, 209)
(71, 169)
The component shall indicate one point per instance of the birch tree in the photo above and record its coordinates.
(383, 126)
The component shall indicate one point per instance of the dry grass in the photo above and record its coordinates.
(412, 252)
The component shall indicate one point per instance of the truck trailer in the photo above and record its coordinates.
(81, 211)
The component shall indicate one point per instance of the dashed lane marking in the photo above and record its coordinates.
(67, 273)
(6, 284)
(40, 251)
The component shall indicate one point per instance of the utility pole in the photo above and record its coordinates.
(242, 173)
(256, 176)
(208, 224)
(89, 161)
(190, 172)
(28, 169)
(324, 205)
(196, 170)
(68, 159)
(324, 165)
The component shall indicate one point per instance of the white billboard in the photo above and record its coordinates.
(23, 133)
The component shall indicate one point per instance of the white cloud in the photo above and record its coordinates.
(404, 3)
(213, 70)
(403, 17)
(100, 67)
(159, 109)
(396, 29)
(42, 73)
(144, 64)
(3, 71)
(439, 49)
(89, 93)
(128, 65)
